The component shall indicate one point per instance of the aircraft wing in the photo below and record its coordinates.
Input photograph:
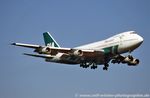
(26, 45)
(55, 50)
(76, 52)
(68, 58)
(41, 56)
(63, 55)
(40, 48)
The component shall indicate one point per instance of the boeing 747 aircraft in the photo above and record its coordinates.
(89, 55)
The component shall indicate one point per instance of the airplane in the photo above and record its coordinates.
(91, 55)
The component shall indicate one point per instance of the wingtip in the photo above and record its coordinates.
(13, 44)
(25, 53)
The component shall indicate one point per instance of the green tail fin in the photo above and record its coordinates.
(49, 40)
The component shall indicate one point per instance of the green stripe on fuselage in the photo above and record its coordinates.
(111, 50)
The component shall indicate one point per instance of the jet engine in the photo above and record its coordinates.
(134, 62)
(77, 52)
(131, 61)
(46, 50)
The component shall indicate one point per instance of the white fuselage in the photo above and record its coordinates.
(126, 41)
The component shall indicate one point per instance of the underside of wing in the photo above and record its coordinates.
(72, 56)
(59, 58)
(41, 56)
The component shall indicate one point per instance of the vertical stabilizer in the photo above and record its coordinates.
(49, 40)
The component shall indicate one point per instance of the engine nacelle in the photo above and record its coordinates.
(43, 50)
(131, 61)
(46, 50)
(77, 52)
(134, 62)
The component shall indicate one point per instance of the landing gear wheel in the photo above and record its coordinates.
(105, 68)
(113, 61)
(106, 65)
(81, 65)
(93, 67)
(84, 65)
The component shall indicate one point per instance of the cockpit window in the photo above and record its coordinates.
(133, 32)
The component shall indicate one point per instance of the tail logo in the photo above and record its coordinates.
(52, 44)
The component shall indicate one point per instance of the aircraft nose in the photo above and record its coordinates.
(140, 39)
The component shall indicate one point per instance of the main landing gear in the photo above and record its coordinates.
(83, 65)
(106, 65)
(93, 65)
(86, 65)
